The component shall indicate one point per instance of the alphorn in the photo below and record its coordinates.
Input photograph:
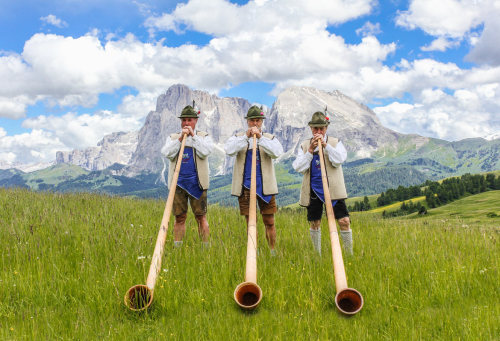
(348, 301)
(248, 294)
(139, 297)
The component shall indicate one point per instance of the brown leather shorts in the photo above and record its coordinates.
(244, 201)
(180, 206)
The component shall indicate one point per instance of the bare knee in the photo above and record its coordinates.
(181, 218)
(202, 221)
(268, 220)
(201, 218)
(315, 224)
(344, 223)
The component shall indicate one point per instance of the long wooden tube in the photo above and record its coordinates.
(248, 294)
(139, 297)
(348, 301)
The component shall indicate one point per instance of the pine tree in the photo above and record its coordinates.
(366, 204)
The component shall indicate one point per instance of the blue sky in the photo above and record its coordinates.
(74, 70)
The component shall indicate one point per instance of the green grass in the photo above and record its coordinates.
(397, 205)
(478, 207)
(67, 261)
(372, 199)
(54, 175)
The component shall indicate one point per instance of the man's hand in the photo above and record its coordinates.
(314, 142)
(186, 130)
(252, 131)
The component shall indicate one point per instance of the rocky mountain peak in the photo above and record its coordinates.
(353, 123)
(113, 148)
(220, 117)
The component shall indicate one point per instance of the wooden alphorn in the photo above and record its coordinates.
(348, 301)
(248, 294)
(139, 297)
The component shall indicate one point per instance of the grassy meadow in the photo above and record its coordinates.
(68, 259)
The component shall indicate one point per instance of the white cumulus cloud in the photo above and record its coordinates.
(222, 18)
(454, 21)
(440, 44)
(19, 148)
(461, 114)
(281, 42)
(77, 131)
(14, 107)
(53, 20)
(369, 29)
(451, 18)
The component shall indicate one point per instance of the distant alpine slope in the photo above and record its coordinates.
(378, 158)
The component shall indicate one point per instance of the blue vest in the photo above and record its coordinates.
(188, 177)
(316, 182)
(248, 175)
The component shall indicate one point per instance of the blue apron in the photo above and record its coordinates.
(316, 182)
(248, 175)
(188, 177)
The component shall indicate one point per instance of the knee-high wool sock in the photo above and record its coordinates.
(347, 240)
(316, 239)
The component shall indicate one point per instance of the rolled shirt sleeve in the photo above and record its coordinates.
(171, 148)
(234, 144)
(271, 147)
(303, 161)
(204, 146)
(336, 155)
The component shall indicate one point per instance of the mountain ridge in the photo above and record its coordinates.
(378, 157)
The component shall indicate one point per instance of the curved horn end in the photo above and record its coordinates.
(138, 298)
(349, 301)
(248, 295)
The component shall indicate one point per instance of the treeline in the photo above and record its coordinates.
(361, 205)
(399, 194)
(436, 193)
(406, 208)
(381, 179)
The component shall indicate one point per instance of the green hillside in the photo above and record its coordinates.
(48, 177)
(403, 164)
(397, 205)
(482, 207)
(9, 173)
(68, 259)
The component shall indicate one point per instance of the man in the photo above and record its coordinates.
(311, 194)
(193, 180)
(268, 148)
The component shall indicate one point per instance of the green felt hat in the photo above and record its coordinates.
(189, 111)
(319, 119)
(255, 112)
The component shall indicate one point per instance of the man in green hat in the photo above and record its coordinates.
(268, 149)
(311, 194)
(193, 180)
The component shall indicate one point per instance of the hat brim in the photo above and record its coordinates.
(311, 124)
(188, 116)
(259, 117)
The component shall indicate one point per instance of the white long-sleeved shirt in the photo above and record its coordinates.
(336, 155)
(271, 147)
(203, 146)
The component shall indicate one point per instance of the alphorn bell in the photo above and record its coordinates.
(248, 294)
(348, 301)
(139, 297)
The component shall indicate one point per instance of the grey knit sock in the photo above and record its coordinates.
(177, 243)
(316, 239)
(347, 240)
